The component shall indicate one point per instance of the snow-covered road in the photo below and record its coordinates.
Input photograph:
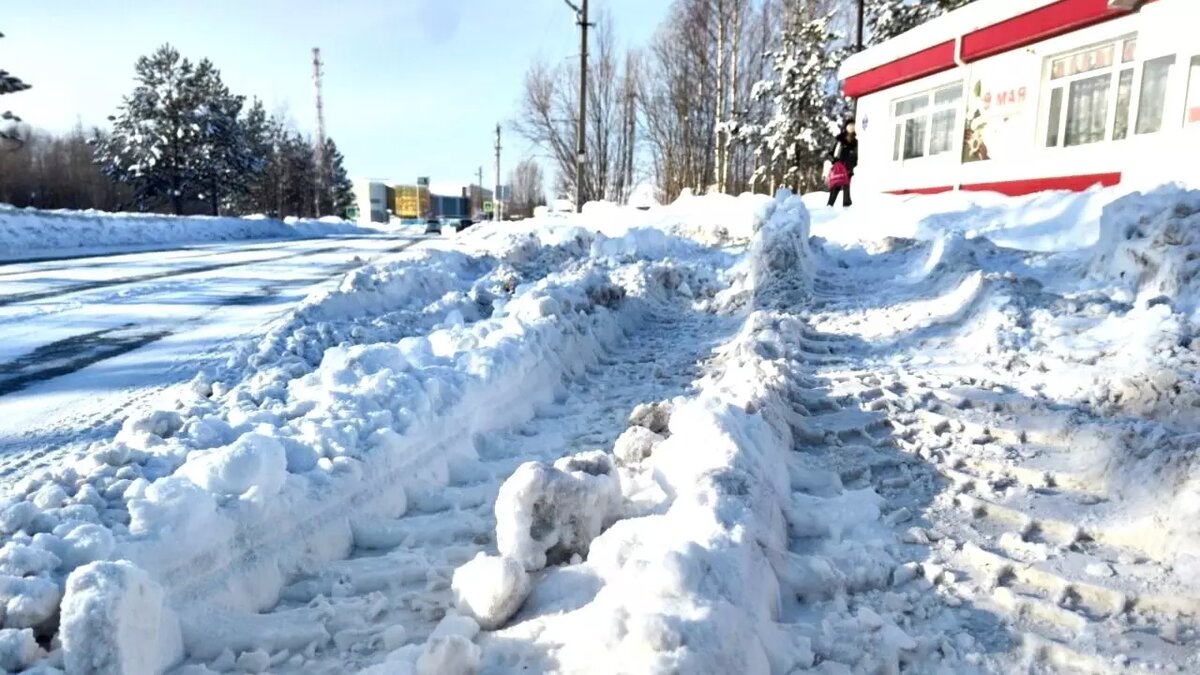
(85, 341)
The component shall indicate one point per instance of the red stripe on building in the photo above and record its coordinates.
(1040, 24)
(1043, 23)
(935, 59)
(1016, 188)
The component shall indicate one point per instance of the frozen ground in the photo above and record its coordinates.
(934, 435)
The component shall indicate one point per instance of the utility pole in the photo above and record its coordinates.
(496, 196)
(581, 14)
(319, 149)
(862, 12)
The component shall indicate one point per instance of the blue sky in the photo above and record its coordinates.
(412, 87)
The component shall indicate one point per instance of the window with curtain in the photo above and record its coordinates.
(1087, 110)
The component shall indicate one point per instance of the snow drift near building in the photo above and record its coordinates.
(36, 233)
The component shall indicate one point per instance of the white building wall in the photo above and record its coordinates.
(1016, 133)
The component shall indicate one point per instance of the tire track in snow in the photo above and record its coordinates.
(1009, 555)
(82, 287)
(399, 571)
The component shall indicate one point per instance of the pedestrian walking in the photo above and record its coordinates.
(845, 159)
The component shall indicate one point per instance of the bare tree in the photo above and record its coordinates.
(528, 187)
(57, 172)
(548, 117)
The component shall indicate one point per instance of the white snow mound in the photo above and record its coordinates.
(546, 514)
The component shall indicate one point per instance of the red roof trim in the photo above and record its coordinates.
(935, 59)
(1017, 188)
(1019, 31)
(1043, 23)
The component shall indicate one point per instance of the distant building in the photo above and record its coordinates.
(371, 200)
(378, 201)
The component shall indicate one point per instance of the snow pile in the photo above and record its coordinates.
(778, 258)
(1150, 247)
(687, 585)
(26, 232)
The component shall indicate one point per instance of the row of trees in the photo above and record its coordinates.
(180, 142)
(729, 96)
(183, 138)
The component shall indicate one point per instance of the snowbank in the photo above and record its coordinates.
(1041, 222)
(287, 455)
(690, 587)
(32, 232)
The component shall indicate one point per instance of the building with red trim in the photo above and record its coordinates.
(1018, 96)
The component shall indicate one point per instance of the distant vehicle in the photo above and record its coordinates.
(433, 226)
(463, 224)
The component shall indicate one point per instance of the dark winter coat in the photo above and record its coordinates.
(845, 150)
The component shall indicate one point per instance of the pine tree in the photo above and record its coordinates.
(888, 18)
(806, 104)
(10, 84)
(157, 133)
(223, 161)
(340, 191)
(259, 132)
(299, 176)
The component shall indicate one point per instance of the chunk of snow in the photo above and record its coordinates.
(449, 655)
(18, 649)
(115, 621)
(634, 445)
(29, 602)
(252, 461)
(545, 514)
(490, 589)
(653, 416)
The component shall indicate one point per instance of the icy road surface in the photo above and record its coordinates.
(85, 341)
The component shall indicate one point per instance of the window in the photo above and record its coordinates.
(1055, 118)
(1087, 110)
(1154, 94)
(1192, 109)
(925, 124)
(1098, 94)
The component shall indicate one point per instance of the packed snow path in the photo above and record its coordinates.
(996, 546)
(394, 588)
(87, 340)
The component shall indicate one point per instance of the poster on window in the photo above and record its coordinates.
(992, 109)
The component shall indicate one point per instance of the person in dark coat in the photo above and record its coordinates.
(845, 150)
